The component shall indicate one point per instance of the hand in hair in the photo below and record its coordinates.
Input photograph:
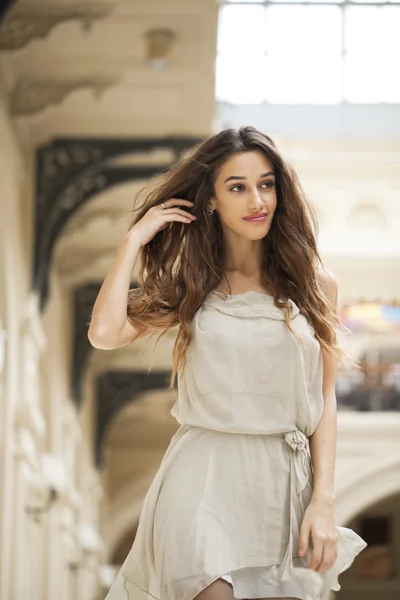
(158, 218)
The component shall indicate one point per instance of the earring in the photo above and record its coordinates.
(209, 211)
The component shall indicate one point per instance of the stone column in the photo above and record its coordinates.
(32, 494)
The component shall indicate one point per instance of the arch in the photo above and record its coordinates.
(143, 428)
(372, 487)
(124, 513)
(114, 390)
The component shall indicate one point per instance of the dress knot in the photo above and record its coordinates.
(296, 439)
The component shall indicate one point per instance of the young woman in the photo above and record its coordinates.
(242, 505)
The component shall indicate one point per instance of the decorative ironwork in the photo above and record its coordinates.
(85, 297)
(70, 171)
(4, 7)
(117, 388)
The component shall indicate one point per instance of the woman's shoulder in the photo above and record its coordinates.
(329, 284)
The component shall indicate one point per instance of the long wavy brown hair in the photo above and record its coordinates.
(183, 263)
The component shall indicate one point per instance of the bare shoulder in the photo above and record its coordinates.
(329, 284)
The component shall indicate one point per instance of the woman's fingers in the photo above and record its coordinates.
(157, 218)
(316, 555)
(324, 554)
(172, 209)
(178, 211)
(327, 558)
(178, 217)
(171, 202)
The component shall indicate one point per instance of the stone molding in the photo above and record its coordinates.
(32, 325)
(30, 418)
(33, 343)
(160, 42)
(3, 343)
(27, 22)
(31, 96)
(89, 538)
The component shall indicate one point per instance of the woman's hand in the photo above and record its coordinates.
(158, 218)
(318, 522)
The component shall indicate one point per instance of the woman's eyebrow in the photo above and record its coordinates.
(239, 177)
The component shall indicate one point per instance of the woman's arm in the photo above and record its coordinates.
(323, 440)
(109, 326)
(318, 522)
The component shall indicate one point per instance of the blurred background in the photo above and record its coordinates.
(95, 98)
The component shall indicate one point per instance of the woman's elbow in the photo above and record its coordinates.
(101, 339)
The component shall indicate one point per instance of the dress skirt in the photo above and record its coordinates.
(229, 505)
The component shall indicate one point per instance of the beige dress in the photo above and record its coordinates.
(232, 488)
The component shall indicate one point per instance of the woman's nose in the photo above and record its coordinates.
(256, 200)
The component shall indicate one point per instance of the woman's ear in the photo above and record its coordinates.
(212, 203)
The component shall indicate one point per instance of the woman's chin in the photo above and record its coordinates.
(257, 234)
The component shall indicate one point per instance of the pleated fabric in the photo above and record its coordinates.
(230, 494)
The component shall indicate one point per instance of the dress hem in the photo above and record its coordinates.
(332, 574)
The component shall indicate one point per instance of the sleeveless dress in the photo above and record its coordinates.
(230, 493)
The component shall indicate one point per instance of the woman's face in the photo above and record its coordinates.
(245, 186)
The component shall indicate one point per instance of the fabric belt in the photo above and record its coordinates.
(300, 458)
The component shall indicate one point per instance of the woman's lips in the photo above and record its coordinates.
(255, 219)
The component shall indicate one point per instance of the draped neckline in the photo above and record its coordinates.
(249, 304)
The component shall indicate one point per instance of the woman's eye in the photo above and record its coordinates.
(267, 183)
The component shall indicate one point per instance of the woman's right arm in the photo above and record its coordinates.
(109, 327)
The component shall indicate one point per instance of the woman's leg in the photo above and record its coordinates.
(218, 590)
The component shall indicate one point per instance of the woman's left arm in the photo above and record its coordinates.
(318, 521)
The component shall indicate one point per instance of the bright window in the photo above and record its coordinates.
(322, 52)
